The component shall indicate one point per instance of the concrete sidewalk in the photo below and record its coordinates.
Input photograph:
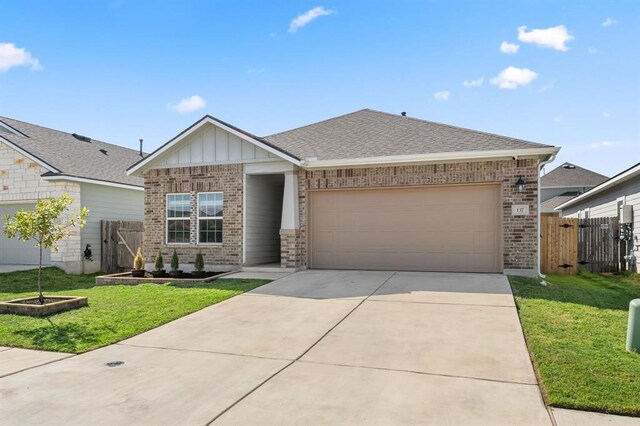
(318, 347)
(14, 360)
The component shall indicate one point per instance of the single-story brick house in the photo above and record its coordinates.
(366, 190)
(37, 162)
(617, 197)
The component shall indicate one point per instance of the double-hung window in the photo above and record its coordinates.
(210, 217)
(178, 218)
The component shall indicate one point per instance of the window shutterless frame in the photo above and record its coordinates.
(173, 216)
(211, 213)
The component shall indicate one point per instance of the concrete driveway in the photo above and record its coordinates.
(315, 347)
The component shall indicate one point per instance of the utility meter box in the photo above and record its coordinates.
(626, 215)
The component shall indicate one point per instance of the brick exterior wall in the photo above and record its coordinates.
(519, 232)
(290, 252)
(160, 182)
(20, 182)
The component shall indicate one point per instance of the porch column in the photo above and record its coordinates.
(290, 213)
(290, 244)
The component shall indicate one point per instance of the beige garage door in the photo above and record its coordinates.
(443, 228)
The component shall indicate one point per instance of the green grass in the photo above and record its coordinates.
(576, 331)
(114, 312)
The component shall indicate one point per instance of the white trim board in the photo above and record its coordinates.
(444, 157)
(57, 178)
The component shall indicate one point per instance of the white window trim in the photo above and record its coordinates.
(166, 219)
(198, 218)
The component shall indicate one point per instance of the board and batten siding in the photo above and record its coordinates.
(264, 195)
(106, 203)
(213, 145)
(605, 204)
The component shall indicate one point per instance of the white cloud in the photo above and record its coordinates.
(512, 77)
(609, 22)
(557, 118)
(592, 50)
(473, 83)
(442, 96)
(12, 56)
(191, 104)
(509, 48)
(605, 144)
(606, 114)
(310, 15)
(255, 71)
(554, 37)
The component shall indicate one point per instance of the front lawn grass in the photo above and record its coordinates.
(576, 330)
(114, 312)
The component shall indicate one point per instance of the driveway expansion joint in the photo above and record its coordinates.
(36, 366)
(442, 303)
(203, 351)
(424, 373)
(302, 354)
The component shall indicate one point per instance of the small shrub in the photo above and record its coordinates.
(199, 263)
(159, 263)
(138, 261)
(175, 261)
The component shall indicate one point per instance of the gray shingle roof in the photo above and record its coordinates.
(549, 205)
(570, 175)
(74, 157)
(369, 133)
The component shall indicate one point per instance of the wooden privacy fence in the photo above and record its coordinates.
(568, 244)
(559, 244)
(120, 240)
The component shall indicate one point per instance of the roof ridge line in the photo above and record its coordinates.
(456, 127)
(318, 122)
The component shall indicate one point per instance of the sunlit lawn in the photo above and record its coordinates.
(576, 329)
(114, 312)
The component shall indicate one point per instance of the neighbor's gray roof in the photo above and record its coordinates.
(570, 175)
(369, 133)
(73, 157)
(549, 205)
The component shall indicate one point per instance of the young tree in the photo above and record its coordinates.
(44, 225)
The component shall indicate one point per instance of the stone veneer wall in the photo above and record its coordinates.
(20, 182)
(160, 182)
(519, 232)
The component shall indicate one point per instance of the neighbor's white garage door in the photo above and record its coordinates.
(14, 251)
(442, 228)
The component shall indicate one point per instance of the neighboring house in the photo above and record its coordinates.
(564, 183)
(37, 162)
(366, 190)
(616, 197)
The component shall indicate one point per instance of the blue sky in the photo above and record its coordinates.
(568, 73)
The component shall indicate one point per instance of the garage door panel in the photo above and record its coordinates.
(449, 228)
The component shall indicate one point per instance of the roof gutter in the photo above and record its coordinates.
(539, 252)
(628, 174)
(432, 158)
(62, 177)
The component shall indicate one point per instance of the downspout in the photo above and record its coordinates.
(540, 166)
